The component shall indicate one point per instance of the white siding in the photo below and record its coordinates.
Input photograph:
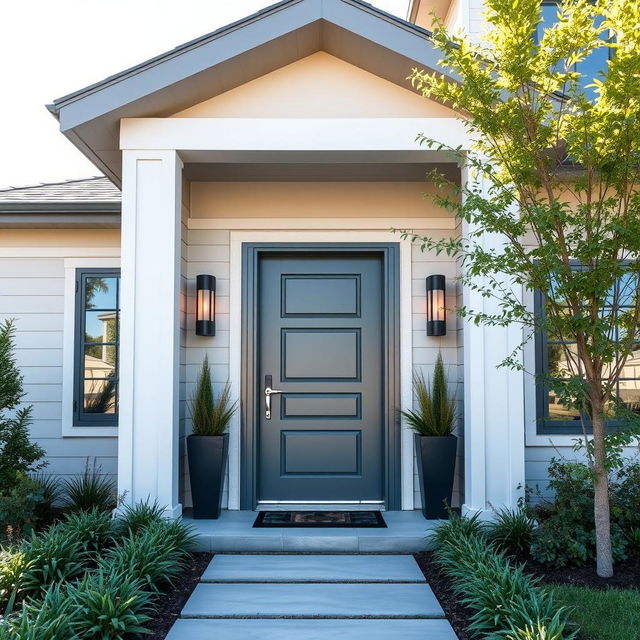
(32, 293)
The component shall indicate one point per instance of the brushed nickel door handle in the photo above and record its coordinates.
(268, 392)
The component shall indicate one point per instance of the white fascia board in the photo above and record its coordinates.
(289, 134)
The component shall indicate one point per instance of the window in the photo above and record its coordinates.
(96, 347)
(589, 68)
(554, 417)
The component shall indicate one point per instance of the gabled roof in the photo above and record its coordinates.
(88, 201)
(283, 33)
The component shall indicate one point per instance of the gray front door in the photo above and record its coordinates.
(320, 342)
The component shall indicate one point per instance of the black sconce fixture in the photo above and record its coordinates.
(436, 317)
(205, 305)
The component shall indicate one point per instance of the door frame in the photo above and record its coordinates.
(250, 389)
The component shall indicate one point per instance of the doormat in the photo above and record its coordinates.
(345, 519)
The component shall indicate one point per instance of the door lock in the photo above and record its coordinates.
(268, 392)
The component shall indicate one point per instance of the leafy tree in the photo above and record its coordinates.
(18, 454)
(555, 190)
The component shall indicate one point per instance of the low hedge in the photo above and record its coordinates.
(90, 576)
(507, 604)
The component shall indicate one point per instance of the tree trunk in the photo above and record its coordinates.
(604, 558)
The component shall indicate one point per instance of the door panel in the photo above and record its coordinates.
(320, 337)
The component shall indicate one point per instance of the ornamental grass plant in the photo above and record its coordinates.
(435, 414)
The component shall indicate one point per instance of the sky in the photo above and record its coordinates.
(49, 49)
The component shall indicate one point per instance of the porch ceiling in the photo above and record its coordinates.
(279, 35)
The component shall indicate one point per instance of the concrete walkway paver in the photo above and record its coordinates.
(312, 597)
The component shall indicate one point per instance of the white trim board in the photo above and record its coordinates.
(88, 253)
(237, 239)
(306, 224)
(68, 348)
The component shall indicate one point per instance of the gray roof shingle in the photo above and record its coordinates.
(96, 189)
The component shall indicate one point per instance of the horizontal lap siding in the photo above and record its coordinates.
(32, 293)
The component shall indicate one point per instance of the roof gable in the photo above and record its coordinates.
(318, 86)
(220, 61)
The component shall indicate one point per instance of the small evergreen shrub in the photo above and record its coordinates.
(52, 492)
(109, 605)
(18, 455)
(90, 490)
(506, 603)
(511, 530)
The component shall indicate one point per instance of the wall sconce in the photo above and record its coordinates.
(205, 305)
(436, 317)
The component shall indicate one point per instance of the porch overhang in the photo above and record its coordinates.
(279, 35)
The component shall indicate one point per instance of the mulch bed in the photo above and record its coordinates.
(626, 576)
(172, 599)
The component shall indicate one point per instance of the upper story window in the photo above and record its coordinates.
(591, 66)
(551, 364)
(97, 341)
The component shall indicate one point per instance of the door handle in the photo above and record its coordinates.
(268, 392)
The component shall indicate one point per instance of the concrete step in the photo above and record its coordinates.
(312, 568)
(312, 600)
(322, 629)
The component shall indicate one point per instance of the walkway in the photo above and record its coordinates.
(312, 597)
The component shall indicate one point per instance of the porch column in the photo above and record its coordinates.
(149, 344)
(494, 423)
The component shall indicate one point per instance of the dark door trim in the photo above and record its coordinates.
(251, 393)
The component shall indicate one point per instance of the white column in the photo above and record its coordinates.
(494, 424)
(150, 339)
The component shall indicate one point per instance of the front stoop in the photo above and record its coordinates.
(309, 597)
(406, 532)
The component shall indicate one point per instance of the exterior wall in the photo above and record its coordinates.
(208, 251)
(319, 86)
(32, 291)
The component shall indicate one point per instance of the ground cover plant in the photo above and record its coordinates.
(504, 602)
(90, 576)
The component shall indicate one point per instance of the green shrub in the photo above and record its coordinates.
(109, 605)
(52, 491)
(512, 530)
(156, 555)
(20, 508)
(505, 602)
(633, 540)
(54, 556)
(92, 529)
(90, 490)
(46, 619)
(436, 412)
(566, 531)
(13, 565)
(19, 454)
(137, 517)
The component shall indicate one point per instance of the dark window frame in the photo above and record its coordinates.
(545, 425)
(80, 417)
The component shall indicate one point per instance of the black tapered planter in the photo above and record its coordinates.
(436, 465)
(207, 466)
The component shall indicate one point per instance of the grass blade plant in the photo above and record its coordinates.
(135, 518)
(506, 603)
(210, 413)
(436, 411)
(512, 530)
(89, 490)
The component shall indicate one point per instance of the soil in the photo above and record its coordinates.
(173, 598)
(626, 574)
